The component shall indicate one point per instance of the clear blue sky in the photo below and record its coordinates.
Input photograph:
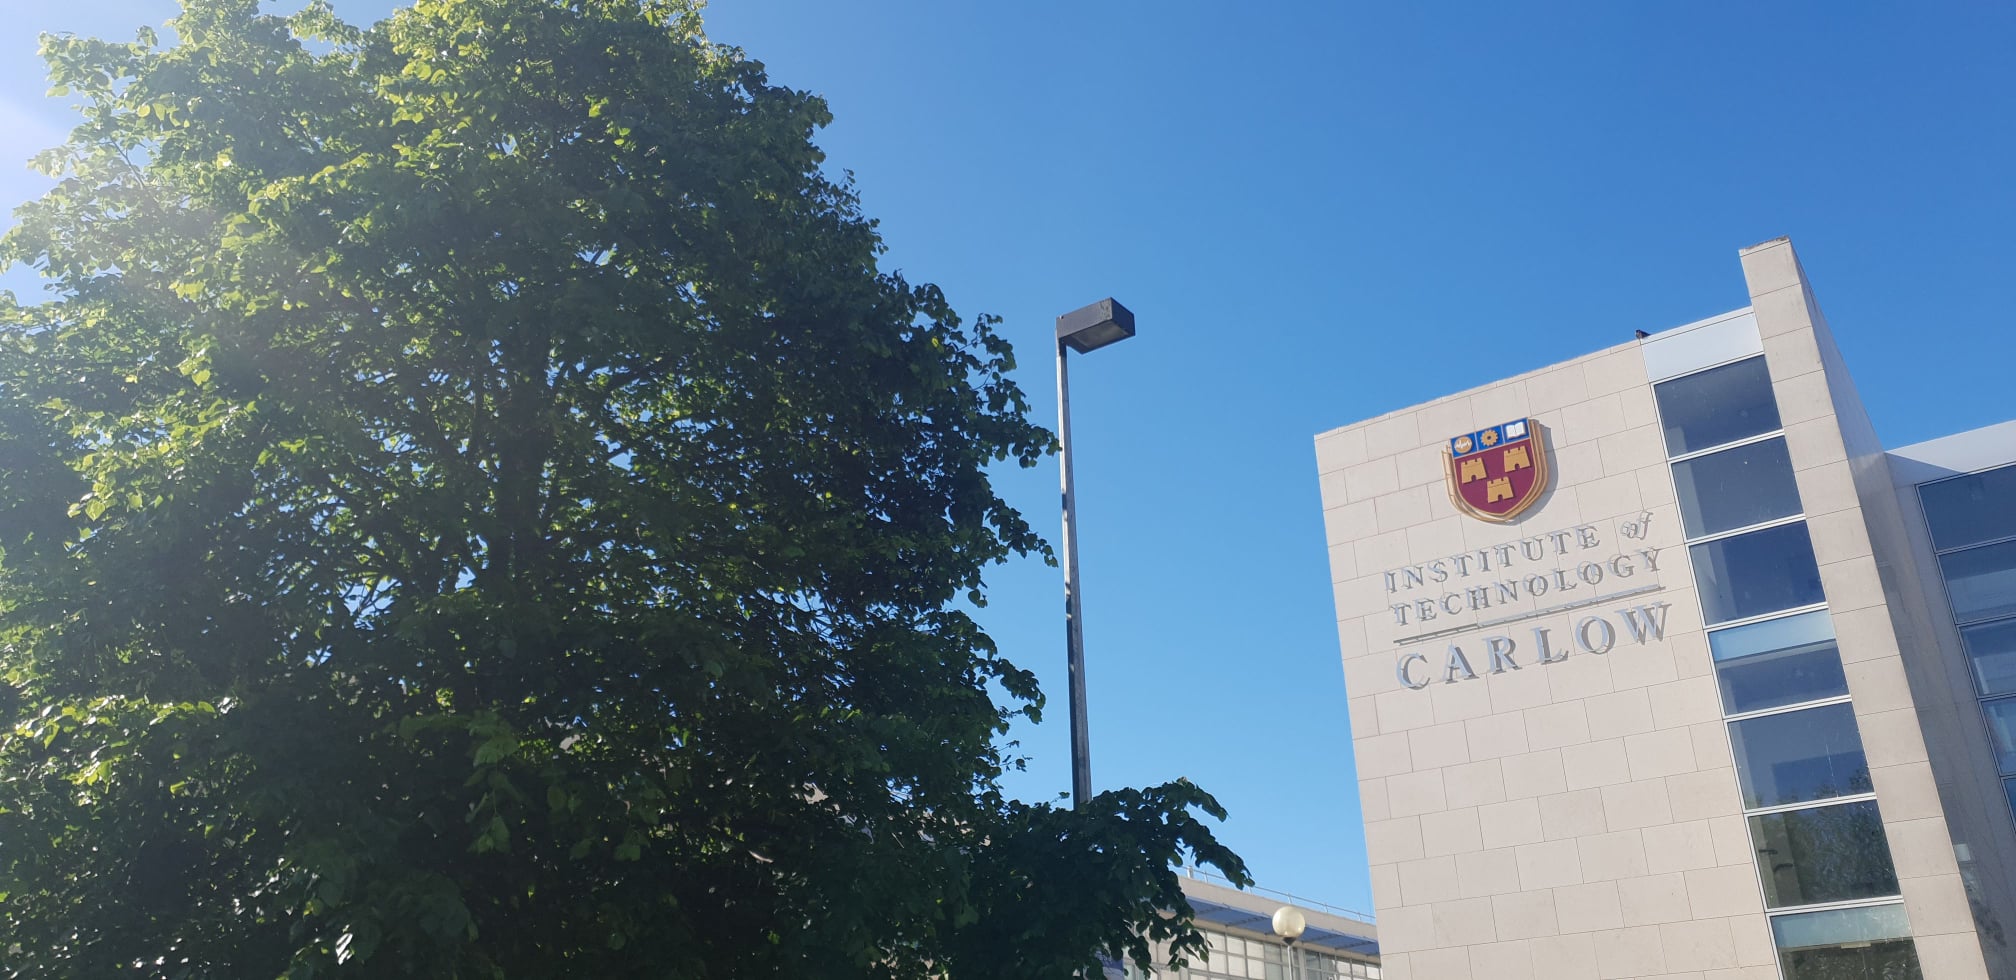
(1323, 211)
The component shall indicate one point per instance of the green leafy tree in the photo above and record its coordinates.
(473, 507)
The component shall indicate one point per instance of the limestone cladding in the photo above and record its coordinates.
(1843, 484)
(1545, 774)
(1536, 808)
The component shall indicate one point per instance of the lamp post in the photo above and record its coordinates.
(1084, 330)
(1289, 923)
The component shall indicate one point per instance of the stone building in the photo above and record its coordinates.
(1660, 665)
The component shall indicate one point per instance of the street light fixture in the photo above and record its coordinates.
(1084, 330)
(1289, 923)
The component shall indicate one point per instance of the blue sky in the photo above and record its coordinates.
(1323, 211)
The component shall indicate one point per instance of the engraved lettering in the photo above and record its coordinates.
(1407, 679)
(1457, 661)
(1500, 649)
(1606, 634)
(1643, 621)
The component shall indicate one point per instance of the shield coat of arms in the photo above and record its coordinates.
(1496, 473)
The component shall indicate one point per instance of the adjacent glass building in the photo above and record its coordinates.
(1336, 944)
(1971, 522)
(1733, 697)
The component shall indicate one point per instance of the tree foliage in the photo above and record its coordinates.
(474, 507)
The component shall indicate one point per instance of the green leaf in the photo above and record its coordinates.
(463, 448)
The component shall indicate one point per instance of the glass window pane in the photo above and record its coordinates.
(1889, 959)
(1716, 406)
(1756, 573)
(2010, 786)
(1847, 944)
(1825, 854)
(1832, 928)
(1992, 649)
(1736, 488)
(1777, 662)
(1799, 756)
(2002, 731)
(1967, 509)
(1981, 581)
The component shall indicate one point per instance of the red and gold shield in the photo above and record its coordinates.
(1496, 473)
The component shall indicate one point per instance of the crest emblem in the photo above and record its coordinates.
(1496, 473)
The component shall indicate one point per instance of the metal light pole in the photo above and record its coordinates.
(1083, 330)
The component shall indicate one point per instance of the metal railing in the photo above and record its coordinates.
(1295, 900)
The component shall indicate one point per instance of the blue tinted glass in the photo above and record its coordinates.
(1777, 662)
(1981, 581)
(1799, 756)
(2002, 731)
(1825, 854)
(1969, 509)
(1838, 926)
(1805, 629)
(1736, 488)
(1716, 406)
(1991, 647)
(1756, 573)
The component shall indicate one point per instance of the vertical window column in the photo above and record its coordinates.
(1830, 888)
(1973, 525)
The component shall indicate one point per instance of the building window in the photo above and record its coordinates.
(1973, 528)
(1236, 958)
(1749, 484)
(1868, 943)
(1799, 756)
(1981, 582)
(1829, 853)
(1808, 799)
(1756, 573)
(1778, 662)
(1971, 509)
(2002, 732)
(1991, 648)
(1716, 407)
